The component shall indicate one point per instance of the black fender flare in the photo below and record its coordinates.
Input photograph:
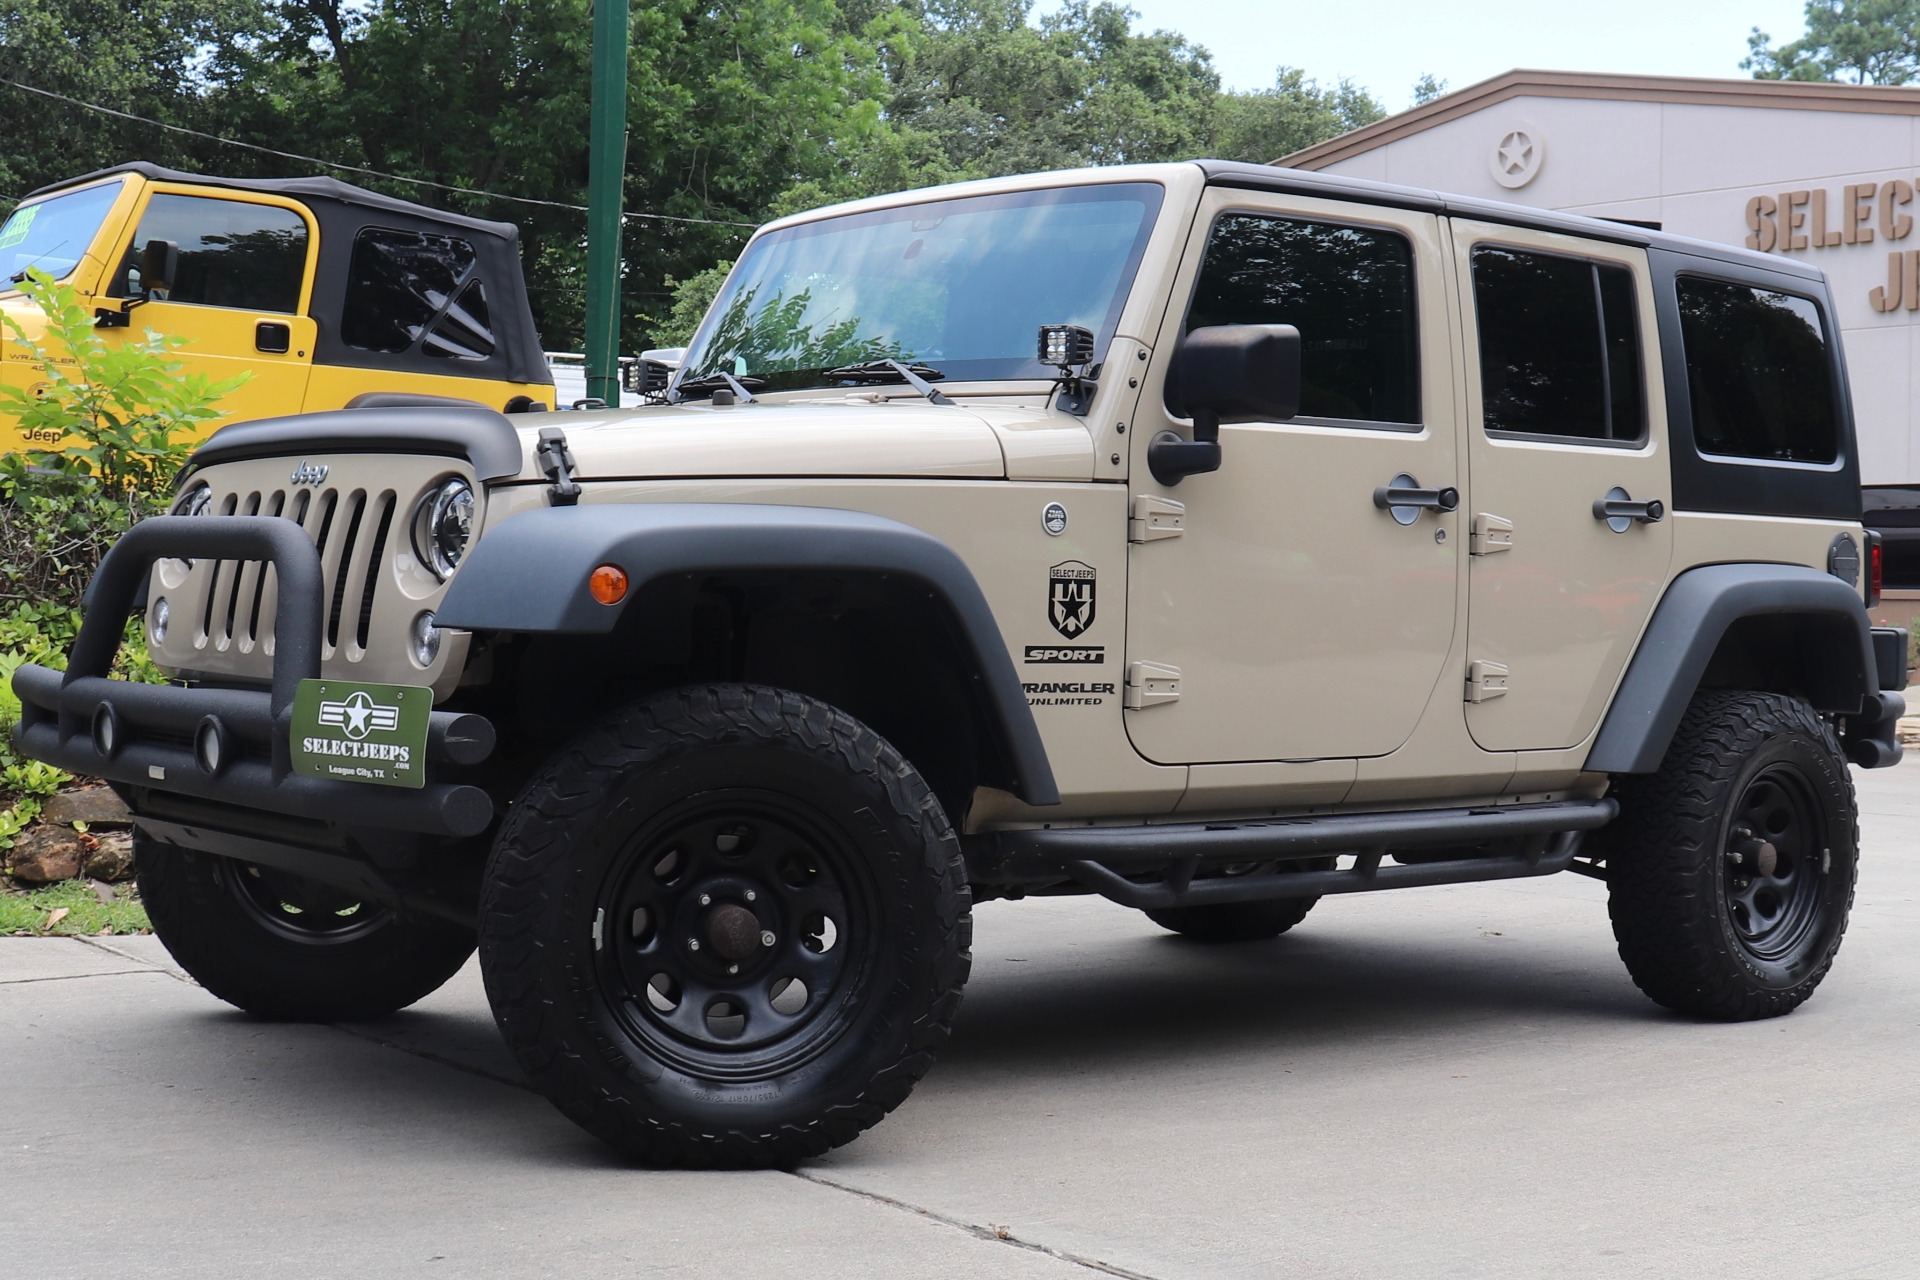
(1688, 626)
(530, 575)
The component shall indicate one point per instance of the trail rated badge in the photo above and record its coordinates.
(1070, 598)
(352, 732)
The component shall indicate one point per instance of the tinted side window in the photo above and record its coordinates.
(1348, 290)
(232, 253)
(1559, 346)
(406, 288)
(1757, 373)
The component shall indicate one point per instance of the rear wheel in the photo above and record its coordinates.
(1731, 870)
(727, 928)
(279, 946)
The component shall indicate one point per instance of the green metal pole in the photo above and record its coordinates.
(606, 168)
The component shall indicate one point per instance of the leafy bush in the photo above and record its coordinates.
(127, 418)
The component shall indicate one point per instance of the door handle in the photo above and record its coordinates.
(272, 337)
(1404, 499)
(1621, 512)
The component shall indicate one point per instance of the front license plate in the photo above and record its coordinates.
(352, 732)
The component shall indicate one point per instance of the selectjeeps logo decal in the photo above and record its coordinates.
(346, 731)
(359, 715)
(1070, 598)
(314, 473)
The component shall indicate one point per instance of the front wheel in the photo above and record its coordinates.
(280, 946)
(726, 928)
(1730, 871)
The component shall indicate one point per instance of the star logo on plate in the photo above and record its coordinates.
(359, 715)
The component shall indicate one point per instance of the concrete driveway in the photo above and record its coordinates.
(1434, 1082)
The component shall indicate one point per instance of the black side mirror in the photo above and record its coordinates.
(1226, 373)
(159, 265)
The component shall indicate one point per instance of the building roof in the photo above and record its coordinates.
(1792, 95)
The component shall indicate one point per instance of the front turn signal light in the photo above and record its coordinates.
(608, 584)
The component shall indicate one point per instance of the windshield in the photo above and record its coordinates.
(55, 233)
(961, 285)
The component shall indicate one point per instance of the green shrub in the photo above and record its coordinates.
(128, 419)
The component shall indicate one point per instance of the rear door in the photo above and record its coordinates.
(240, 295)
(1563, 411)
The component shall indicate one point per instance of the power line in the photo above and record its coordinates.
(354, 168)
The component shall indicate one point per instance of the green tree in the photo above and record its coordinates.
(1427, 88)
(1861, 41)
(137, 55)
(1296, 113)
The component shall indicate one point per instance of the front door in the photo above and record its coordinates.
(1303, 621)
(1565, 409)
(238, 298)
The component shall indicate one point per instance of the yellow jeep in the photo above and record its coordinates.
(326, 293)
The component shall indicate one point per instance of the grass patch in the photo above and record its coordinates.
(27, 912)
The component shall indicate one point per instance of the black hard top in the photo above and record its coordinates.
(1327, 186)
(297, 188)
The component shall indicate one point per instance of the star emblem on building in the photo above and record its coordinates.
(1516, 152)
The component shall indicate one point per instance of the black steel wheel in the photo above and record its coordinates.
(281, 946)
(1243, 921)
(726, 928)
(1731, 870)
(725, 942)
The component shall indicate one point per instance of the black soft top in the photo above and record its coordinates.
(300, 188)
(1307, 182)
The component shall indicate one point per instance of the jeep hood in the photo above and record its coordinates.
(853, 436)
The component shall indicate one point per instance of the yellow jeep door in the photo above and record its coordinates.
(239, 296)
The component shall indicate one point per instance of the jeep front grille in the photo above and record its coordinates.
(221, 612)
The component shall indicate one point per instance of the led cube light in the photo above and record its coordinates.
(1065, 346)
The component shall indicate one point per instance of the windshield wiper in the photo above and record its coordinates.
(916, 376)
(706, 384)
(20, 275)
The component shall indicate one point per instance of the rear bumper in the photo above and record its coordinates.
(144, 735)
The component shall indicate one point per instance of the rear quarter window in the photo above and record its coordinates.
(1759, 375)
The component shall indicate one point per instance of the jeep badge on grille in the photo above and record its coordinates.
(312, 473)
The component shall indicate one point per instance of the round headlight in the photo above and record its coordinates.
(195, 500)
(442, 525)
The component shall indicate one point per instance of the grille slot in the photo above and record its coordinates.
(385, 505)
(344, 566)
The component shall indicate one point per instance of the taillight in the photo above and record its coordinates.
(1875, 575)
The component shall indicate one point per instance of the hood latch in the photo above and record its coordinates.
(556, 460)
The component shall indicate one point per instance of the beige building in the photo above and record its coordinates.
(1821, 172)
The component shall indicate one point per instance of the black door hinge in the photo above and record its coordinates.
(556, 460)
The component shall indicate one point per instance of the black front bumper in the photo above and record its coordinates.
(141, 735)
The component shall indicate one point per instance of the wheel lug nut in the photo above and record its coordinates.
(706, 899)
(750, 895)
(733, 968)
(693, 944)
(766, 937)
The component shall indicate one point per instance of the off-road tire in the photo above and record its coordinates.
(230, 926)
(640, 809)
(1700, 932)
(1241, 921)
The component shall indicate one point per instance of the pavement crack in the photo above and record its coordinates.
(128, 955)
(75, 977)
(998, 1235)
(429, 1056)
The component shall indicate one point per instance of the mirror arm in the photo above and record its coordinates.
(118, 317)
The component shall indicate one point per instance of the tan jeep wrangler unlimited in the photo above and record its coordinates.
(1206, 536)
